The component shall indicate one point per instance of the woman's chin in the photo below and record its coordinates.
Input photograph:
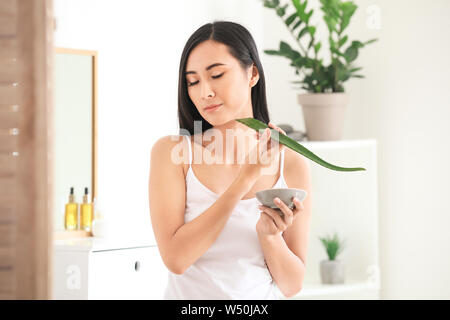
(219, 121)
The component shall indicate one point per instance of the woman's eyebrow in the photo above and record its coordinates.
(207, 68)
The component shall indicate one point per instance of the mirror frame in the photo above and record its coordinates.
(94, 55)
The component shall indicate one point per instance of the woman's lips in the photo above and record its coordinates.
(213, 108)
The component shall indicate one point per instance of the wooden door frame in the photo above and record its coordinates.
(26, 250)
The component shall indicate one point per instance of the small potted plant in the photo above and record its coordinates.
(332, 270)
(324, 103)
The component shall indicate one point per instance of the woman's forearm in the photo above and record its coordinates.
(286, 268)
(192, 239)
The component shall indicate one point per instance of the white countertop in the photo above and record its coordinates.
(100, 244)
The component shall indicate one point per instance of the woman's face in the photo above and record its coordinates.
(213, 77)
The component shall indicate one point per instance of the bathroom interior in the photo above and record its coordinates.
(114, 70)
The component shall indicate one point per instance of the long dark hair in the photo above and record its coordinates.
(242, 46)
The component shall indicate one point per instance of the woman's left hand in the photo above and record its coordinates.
(272, 223)
(272, 126)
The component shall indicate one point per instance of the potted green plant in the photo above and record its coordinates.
(332, 270)
(324, 103)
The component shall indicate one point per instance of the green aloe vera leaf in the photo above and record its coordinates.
(292, 144)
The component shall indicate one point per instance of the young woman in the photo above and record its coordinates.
(212, 234)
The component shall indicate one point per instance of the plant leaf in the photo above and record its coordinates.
(342, 41)
(292, 144)
(357, 44)
(351, 54)
(300, 9)
(333, 245)
(273, 52)
(284, 47)
(281, 11)
(348, 9)
(269, 4)
(299, 62)
(291, 19)
(370, 41)
(308, 15)
(296, 4)
(303, 32)
(355, 69)
(297, 24)
(317, 47)
(334, 50)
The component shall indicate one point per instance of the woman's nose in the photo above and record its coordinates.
(206, 91)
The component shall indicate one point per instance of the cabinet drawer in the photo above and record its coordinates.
(134, 273)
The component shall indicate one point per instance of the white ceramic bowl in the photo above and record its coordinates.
(285, 194)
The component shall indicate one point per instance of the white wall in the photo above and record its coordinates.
(404, 102)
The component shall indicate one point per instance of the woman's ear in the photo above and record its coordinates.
(255, 76)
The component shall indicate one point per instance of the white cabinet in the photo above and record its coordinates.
(345, 202)
(94, 268)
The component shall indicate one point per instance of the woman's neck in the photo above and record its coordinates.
(229, 143)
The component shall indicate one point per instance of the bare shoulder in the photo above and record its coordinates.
(171, 150)
(167, 142)
(297, 169)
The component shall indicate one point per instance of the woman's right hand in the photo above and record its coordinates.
(262, 156)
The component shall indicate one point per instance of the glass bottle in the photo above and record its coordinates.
(87, 212)
(71, 214)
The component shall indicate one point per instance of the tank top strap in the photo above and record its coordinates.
(282, 162)
(188, 138)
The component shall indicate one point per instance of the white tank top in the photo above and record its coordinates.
(233, 267)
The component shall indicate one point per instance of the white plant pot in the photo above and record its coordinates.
(332, 271)
(323, 114)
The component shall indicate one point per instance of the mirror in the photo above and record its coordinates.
(74, 122)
